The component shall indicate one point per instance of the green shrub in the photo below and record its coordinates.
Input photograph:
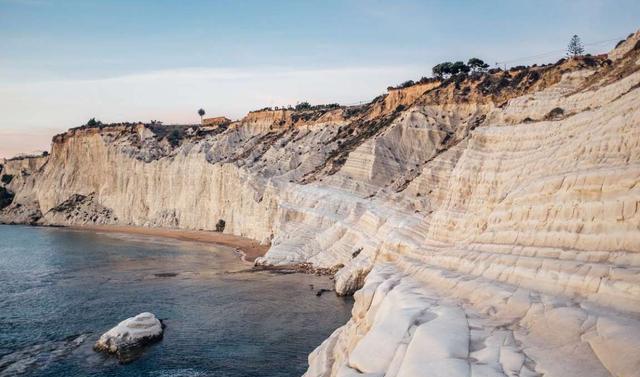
(407, 84)
(555, 114)
(93, 123)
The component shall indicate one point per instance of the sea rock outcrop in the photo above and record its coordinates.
(487, 225)
(129, 335)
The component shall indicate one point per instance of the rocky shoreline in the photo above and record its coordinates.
(302, 268)
(486, 225)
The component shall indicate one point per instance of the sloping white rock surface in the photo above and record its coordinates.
(490, 229)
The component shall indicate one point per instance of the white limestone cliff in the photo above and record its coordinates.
(487, 228)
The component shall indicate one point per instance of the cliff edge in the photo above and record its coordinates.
(487, 225)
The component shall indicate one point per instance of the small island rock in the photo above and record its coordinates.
(130, 334)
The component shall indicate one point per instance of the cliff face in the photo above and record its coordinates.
(488, 226)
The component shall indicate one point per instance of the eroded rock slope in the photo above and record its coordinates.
(489, 226)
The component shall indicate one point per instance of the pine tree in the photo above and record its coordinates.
(575, 47)
(477, 65)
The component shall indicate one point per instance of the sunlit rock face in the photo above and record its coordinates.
(487, 227)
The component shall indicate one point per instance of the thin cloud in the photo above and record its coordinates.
(197, 73)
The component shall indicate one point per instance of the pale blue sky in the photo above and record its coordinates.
(64, 61)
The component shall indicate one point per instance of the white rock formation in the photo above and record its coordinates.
(132, 333)
(489, 228)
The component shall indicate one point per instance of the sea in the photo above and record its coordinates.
(60, 289)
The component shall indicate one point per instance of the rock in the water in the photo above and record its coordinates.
(129, 335)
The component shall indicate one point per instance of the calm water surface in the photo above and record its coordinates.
(61, 289)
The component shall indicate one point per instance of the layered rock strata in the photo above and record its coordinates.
(488, 226)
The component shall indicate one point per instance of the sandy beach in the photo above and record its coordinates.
(251, 248)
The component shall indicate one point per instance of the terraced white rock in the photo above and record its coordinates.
(482, 236)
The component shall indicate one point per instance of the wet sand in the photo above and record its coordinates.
(250, 248)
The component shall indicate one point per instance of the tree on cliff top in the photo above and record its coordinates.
(575, 47)
(201, 113)
(303, 106)
(459, 67)
(448, 69)
(442, 70)
(93, 123)
(477, 65)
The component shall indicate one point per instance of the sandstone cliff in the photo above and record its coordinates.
(488, 226)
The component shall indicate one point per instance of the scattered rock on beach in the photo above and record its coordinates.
(323, 290)
(130, 335)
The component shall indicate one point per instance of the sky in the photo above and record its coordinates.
(65, 61)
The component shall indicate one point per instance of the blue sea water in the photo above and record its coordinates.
(61, 289)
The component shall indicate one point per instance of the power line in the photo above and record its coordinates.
(551, 53)
(355, 103)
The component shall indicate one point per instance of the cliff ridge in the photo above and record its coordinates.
(487, 225)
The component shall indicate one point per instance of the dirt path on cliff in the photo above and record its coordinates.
(252, 249)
